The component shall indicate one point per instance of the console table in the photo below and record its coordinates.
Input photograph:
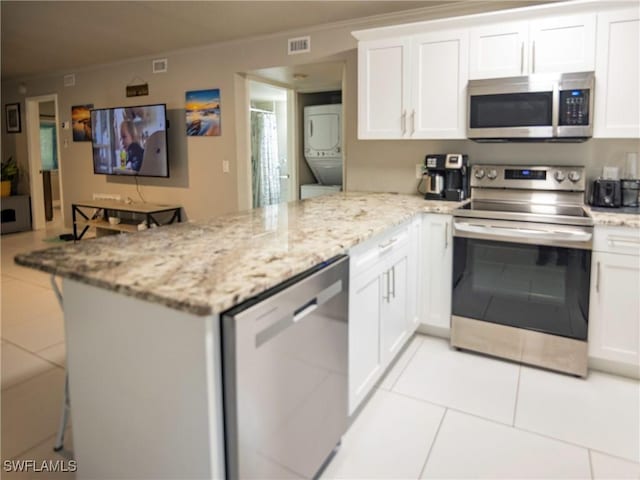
(96, 213)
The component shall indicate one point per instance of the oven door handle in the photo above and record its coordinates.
(507, 232)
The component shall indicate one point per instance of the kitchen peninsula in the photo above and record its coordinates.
(142, 322)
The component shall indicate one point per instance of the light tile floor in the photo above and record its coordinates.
(438, 413)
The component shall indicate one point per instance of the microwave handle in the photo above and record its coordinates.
(522, 58)
(555, 109)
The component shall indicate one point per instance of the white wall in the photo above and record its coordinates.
(197, 181)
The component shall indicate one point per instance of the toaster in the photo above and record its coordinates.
(606, 193)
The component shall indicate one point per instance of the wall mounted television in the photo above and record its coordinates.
(130, 141)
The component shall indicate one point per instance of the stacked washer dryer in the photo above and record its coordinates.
(323, 149)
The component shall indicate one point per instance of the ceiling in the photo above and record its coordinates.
(53, 36)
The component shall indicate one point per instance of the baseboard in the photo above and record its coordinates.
(434, 331)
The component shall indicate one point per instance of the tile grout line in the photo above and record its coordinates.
(405, 367)
(515, 406)
(435, 437)
(37, 354)
(538, 434)
(590, 463)
(51, 438)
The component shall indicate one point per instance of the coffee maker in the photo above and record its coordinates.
(447, 176)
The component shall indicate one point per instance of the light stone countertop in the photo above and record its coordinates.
(205, 267)
(614, 218)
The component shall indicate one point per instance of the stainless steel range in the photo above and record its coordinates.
(521, 269)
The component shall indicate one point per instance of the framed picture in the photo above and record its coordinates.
(12, 111)
(202, 109)
(81, 122)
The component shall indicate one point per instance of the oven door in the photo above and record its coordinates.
(524, 275)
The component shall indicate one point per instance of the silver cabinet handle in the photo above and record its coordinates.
(386, 246)
(413, 121)
(623, 241)
(598, 277)
(446, 236)
(311, 128)
(393, 282)
(522, 58)
(404, 122)
(533, 57)
(385, 297)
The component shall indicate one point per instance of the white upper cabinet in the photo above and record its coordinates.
(548, 45)
(563, 44)
(413, 87)
(499, 50)
(440, 75)
(412, 78)
(383, 88)
(617, 100)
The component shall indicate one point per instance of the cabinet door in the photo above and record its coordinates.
(383, 88)
(441, 71)
(414, 274)
(437, 268)
(563, 44)
(394, 323)
(499, 50)
(365, 361)
(617, 102)
(614, 312)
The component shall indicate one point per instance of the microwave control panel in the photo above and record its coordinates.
(574, 107)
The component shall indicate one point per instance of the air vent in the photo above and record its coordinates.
(299, 45)
(160, 65)
(69, 80)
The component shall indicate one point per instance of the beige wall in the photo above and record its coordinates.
(197, 181)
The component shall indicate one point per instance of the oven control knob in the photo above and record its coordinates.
(574, 176)
(479, 173)
(559, 175)
(492, 174)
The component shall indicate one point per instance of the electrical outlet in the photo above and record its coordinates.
(419, 170)
(225, 166)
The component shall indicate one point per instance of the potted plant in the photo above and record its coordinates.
(8, 174)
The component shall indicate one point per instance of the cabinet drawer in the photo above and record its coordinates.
(374, 251)
(622, 240)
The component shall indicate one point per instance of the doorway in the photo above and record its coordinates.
(272, 175)
(45, 169)
(306, 85)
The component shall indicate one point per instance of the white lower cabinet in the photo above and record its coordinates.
(614, 311)
(436, 267)
(379, 307)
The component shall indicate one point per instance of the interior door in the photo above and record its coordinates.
(48, 160)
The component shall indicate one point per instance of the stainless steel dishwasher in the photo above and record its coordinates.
(285, 376)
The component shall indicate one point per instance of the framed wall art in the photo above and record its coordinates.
(12, 117)
(202, 109)
(81, 121)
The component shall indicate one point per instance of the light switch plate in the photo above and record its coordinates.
(225, 166)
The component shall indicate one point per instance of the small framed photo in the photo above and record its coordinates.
(12, 111)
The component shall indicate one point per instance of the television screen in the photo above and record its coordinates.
(130, 141)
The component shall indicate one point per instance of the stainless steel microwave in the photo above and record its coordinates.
(541, 107)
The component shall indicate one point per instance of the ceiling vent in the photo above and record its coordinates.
(69, 80)
(299, 45)
(160, 65)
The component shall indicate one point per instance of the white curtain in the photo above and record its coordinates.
(264, 159)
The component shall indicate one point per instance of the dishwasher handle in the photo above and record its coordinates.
(279, 319)
(305, 310)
